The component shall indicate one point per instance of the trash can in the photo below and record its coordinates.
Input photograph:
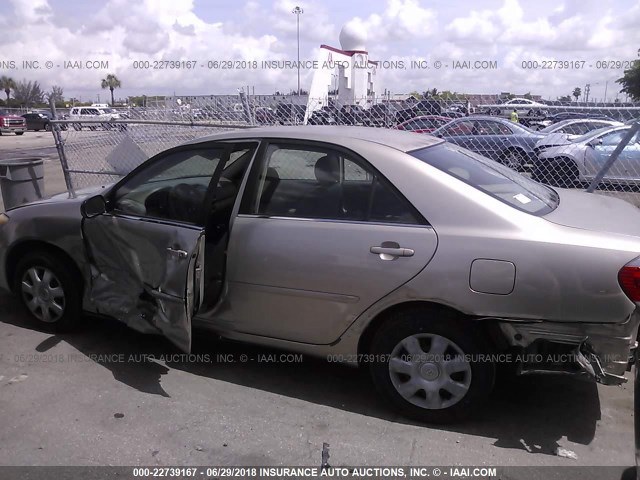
(21, 180)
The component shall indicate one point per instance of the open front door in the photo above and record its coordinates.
(146, 274)
(146, 248)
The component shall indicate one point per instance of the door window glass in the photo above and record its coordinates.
(172, 188)
(310, 182)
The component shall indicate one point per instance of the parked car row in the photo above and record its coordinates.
(566, 154)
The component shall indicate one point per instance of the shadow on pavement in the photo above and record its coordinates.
(525, 413)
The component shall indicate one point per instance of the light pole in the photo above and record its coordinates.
(298, 11)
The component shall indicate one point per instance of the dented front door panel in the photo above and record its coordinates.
(147, 274)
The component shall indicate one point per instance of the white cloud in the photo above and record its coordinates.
(508, 31)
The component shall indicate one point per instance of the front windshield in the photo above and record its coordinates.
(589, 135)
(490, 177)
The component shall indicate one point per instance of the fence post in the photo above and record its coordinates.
(57, 137)
(247, 109)
(635, 127)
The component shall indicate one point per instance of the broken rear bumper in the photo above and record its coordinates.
(600, 351)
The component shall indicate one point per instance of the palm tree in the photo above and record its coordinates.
(111, 82)
(7, 84)
(577, 92)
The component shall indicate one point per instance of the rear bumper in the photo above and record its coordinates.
(601, 351)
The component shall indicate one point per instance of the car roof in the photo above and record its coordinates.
(343, 135)
(482, 117)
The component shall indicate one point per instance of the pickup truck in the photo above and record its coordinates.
(10, 123)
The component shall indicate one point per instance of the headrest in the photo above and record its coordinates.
(327, 170)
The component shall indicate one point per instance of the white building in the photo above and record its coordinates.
(347, 68)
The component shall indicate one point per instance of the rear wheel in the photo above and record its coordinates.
(49, 290)
(426, 365)
(513, 159)
(19, 133)
(47, 128)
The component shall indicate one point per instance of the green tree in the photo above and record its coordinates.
(28, 93)
(564, 98)
(56, 94)
(111, 82)
(7, 84)
(630, 81)
(577, 92)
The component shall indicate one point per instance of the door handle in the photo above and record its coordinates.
(177, 253)
(391, 252)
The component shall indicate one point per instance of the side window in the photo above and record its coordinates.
(487, 127)
(613, 138)
(464, 127)
(314, 182)
(173, 187)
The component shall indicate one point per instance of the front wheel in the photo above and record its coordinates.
(429, 365)
(49, 291)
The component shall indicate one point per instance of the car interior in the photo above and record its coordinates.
(180, 194)
(339, 189)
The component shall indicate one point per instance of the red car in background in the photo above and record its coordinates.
(10, 123)
(423, 124)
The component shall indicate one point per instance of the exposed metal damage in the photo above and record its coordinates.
(143, 277)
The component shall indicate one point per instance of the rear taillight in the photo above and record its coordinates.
(629, 279)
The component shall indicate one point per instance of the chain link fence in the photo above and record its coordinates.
(568, 145)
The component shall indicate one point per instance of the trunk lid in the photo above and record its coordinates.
(596, 212)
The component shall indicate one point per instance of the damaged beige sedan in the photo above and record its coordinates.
(421, 261)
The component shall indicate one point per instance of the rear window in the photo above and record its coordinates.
(491, 178)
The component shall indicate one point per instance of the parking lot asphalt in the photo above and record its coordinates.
(107, 395)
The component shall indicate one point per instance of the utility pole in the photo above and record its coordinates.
(587, 87)
(297, 12)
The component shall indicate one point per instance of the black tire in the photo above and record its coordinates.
(47, 127)
(67, 280)
(441, 323)
(19, 133)
(562, 173)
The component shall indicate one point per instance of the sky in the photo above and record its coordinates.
(588, 36)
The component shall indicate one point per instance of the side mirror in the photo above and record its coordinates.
(595, 142)
(94, 206)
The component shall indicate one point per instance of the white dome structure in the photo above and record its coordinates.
(353, 36)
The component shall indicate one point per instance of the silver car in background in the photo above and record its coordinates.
(578, 160)
(421, 261)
